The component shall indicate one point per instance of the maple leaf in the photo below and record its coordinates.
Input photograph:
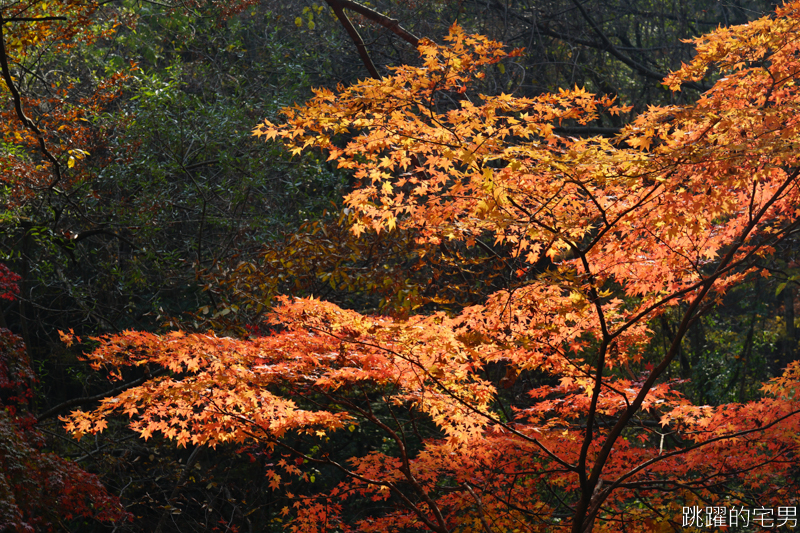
(665, 218)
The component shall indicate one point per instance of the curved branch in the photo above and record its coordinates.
(27, 122)
(609, 47)
(450, 393)
(437, 528)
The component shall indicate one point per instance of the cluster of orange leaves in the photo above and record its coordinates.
(674, 210)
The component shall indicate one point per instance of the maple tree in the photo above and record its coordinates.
(387, 271)
(610, 234)
(60, 137)
(48, 136)
(43, 151)
(38, 489)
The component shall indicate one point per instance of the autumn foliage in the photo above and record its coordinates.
(38, 489)
(669, 215)
(47, 135)
(389, 270)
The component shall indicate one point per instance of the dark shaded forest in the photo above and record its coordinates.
(136, 198)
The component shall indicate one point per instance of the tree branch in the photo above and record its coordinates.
(609, 47)
(28, 123)
(75, 402)
(705, 287)
(354, 35)
(29, 19)
(388, 23)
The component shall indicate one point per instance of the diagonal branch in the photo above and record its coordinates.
(85, 400)
(609, 47)
(27, 122)
(688, 318)
(506, 426)
(439, 527)
(336, 5)
(389, 23)
(620, 481)
(605, 44)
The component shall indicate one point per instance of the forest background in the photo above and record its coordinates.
(135, 198)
